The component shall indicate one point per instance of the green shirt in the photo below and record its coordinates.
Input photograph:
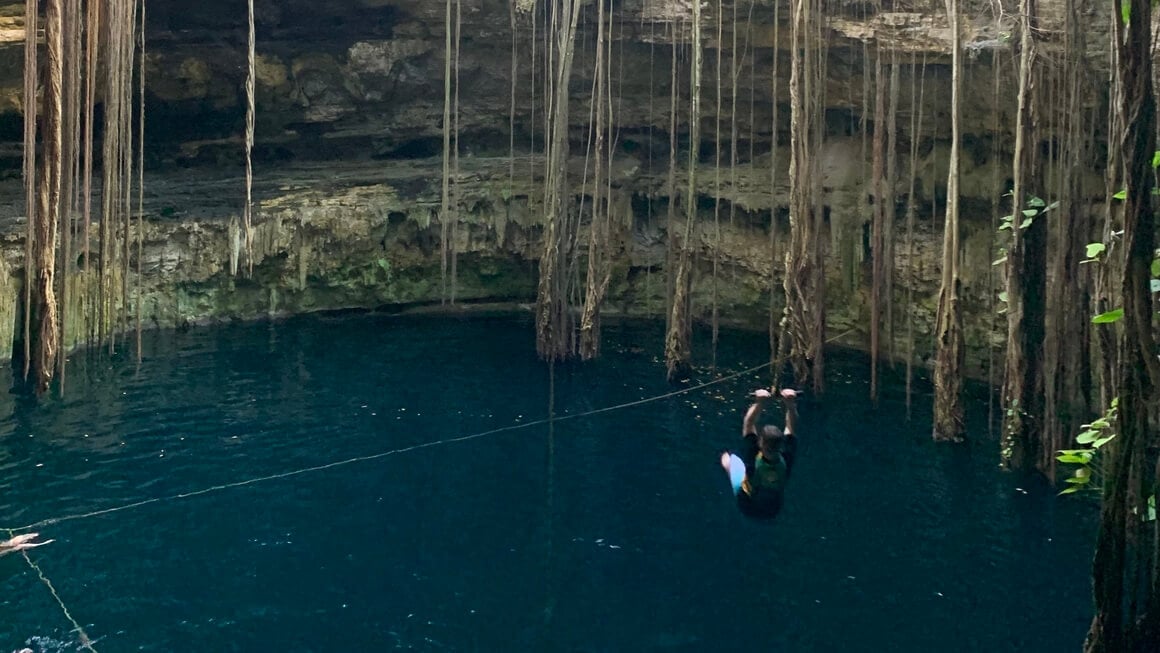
(768, 476)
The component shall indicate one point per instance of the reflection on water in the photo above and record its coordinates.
(624, 537)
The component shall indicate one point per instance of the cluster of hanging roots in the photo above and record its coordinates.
(91, 51)
(78, 261)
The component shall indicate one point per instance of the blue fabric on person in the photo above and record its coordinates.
(736, 472)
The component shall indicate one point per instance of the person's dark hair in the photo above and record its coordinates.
(767, 439)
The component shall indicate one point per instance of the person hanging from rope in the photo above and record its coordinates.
(760, 473)
(21, 543)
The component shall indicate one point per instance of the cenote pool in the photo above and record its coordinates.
(614, 532)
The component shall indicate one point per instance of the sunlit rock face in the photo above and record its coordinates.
(349, 141)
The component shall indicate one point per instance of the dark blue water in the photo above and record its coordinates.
(616, 533)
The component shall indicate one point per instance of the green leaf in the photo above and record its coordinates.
(1003, 296)
(1075, 459)
(1071, 490)
(1104, 440)
(1030, 213)
(1100, 423)
(1095, 249)
(1154, 284)
(1121, 194)
(1087, 437)
(1125, 12)
(1076, 480)
(1000, 261)
(1005, 225)
(1156, 267)
(1051, 207)
(1108, 317)
(1156, 159)
(1026, 222)
(1035, 202)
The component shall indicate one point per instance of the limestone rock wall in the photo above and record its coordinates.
(349, 135)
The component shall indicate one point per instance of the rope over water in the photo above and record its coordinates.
(82, 636)
(349, 461)
(85, 643)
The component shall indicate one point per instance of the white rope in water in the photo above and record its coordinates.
(82, 636)
(384, 454)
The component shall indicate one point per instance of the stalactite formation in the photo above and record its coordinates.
(948, 370)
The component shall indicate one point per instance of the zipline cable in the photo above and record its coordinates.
(340, 463)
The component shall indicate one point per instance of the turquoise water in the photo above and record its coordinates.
(613, 532)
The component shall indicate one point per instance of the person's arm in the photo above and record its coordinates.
(749, 424)
(789, 399)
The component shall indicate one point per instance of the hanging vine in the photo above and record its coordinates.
(890, 184)
(948, 376)
(554, 337)
(877, 230)
(70, 174)
(803, 323)
(43, 227)
(1066, 354)
(1126, 566)
(671, 186)
(140, 181)
(715, 315)
(678, 346)
(92, 41)
(29, 172)
(1026, 267)
(599, 270)
(445, 196)
(911, 210)
(247, 210)
(774, 132)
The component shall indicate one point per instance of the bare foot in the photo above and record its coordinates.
(725, 460)
(23, 542)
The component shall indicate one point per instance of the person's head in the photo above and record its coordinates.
(767, 438)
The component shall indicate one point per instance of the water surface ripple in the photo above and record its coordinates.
(613, 532)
